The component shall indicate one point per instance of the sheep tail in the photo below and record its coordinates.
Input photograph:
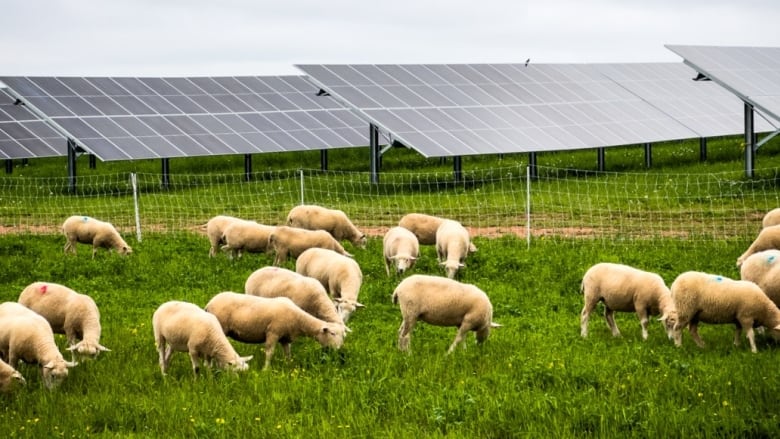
(395, 297)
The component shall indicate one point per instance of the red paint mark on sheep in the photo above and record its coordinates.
(43, 289)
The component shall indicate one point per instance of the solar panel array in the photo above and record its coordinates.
(137, 118)
(703, 106)
(464, 109)
(752, 73)
(24, 135)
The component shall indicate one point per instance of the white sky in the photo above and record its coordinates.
(262, 37)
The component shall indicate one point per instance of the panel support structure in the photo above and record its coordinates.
(600, 159)
(9, 166)
(750, 141)
(702, 149)
(648, 155)
(166, 172)
(373, 135)
(247, 167)
(92, 161)
(457, 168)
(324, 159)
(71, 166)
(532, 170)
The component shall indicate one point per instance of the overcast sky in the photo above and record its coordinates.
(237, 37)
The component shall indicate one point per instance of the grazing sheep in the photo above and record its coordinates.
(214, 230)
(763, 269)
(68, 312)
(401, 248)
(452, 246)
(9, 377)
(772, 218)
(424, 228)
(702, 297)
(251, 319)
(293, 241)
(340, 275)
(27, 336)
(185, 327)
(86, 230)
(626, 289)
(249, 236)
(333, 221)
(768, 238)
(306, 292)
(443, 302)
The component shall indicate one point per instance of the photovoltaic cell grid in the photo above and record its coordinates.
(752, 73)
(24, 135)
(703, 106)
(466, 109)
(120, 118)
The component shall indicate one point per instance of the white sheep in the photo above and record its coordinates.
(763, 269)
(9, 377)
(251, 319)
(626, 289)
(86, 230)
(424, 228)
(452, 246)
(340, 275)
(771, 218)
(708, 298)
(768, 238)
(443, 302)
(401, 248)
(249, 236)
(68, 312)
(25, 335)
(185, 327)
(304, 291)
(333, 221)
(214, 230)
(292, 241)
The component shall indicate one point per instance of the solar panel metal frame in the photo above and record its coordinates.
(24, 135)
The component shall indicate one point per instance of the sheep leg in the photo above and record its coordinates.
(590, 305)
(195, 359)
(405, 333)
(609, 316)
(70, 247)
(165, 355)
(287, 351)
(693, 328)
(270, 345)
(281, 258)
(387, 266)
(643, 320)
(751, 339)
(459, 337)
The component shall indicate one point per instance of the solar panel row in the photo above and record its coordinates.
(24, 135)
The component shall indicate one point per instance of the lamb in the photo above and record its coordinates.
(702, 297)
(626, 289)
(68, 312)
(214, 230)
(27, 336)
(306, 292)
(86, 230)
(340, 275)
(452, 246)
(251, 319)
(763, 269)
(333, 221)
(401, 248)
(293, 241)
(772, 218)
(424, 228)
(247, 236)
(443, 302)
(768, 238)
(185, 327)
(9, 377)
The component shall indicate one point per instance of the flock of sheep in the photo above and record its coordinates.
(278, 305)
(695, 297)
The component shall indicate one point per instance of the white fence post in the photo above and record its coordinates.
(134, 183)
(528, 205)
(301, 171)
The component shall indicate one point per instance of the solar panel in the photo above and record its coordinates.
(24, 135)
(752, 73)
(467, 109)
(137, 118)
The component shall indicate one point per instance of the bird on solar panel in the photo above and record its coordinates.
(527, 61)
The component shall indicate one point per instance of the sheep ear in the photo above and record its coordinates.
(663, 318)
(72, 347)
(412, 258)
(71, 364)
(48, 365)
(442, 263)
(245, 359)
(346, 329)
(349, 255)
(461, 265)
(359, 305)
(495, 325)
(102, 348)
(18, 377)
(777, 328)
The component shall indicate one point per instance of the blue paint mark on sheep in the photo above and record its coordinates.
(770, 259)
(86, 218)
(717, 278)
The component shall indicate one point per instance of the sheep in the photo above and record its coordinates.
(86, 230)
(443, 302)
(306, 292)
(251, 319)
(293, 241)
(424, 228)
(185, 327)
(25, 335)
(452, 246)
(763, 269)
(246, 235)
(333, 221)
(401, 248)
(9, 377)
(626, 289)
(68, 312)
(768, 238)
(708, 298)
(340, 275)
(772, 218)
(214, 230)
